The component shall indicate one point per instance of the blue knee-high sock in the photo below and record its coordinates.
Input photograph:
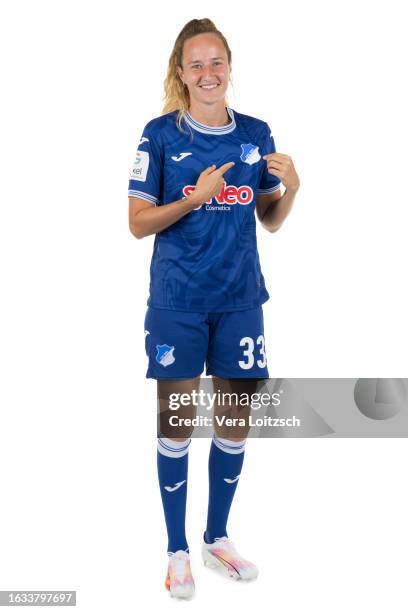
(224, 468)
(172, 468)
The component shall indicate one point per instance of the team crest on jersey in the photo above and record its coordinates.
(138, 172)
(165, 355)
(250, 154)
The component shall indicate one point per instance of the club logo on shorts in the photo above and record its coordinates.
(165, 355)
(250, 154)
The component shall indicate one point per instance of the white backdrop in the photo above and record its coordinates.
(80, 506)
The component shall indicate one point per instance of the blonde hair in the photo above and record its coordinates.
(176, 94)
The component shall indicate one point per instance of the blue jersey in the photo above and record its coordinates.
(208, 260)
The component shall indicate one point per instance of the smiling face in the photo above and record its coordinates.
(205, 68)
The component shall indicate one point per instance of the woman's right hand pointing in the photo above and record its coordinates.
(209, 184)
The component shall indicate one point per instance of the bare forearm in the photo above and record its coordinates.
(277, 211)
(157, 218)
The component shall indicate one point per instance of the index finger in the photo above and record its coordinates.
(276, 155)
(225, 167)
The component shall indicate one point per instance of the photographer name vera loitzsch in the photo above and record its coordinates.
(207, 421)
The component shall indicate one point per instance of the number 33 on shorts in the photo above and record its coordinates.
(253, 351)
(230, 345)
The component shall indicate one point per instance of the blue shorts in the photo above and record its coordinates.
(231, 344)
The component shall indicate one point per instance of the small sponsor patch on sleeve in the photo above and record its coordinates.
(138, 171)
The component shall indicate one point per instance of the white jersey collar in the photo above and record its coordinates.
(208, 129)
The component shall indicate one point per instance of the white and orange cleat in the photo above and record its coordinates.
(179, 580)
(223, 556)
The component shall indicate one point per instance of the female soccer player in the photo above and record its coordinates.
(201, 171)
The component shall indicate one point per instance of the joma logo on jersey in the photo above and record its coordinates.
(229, 194)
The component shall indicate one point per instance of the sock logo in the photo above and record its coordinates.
(232, 480)
(176, 486)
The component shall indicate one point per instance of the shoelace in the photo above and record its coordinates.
(224, 542)
(224, 539)
(178, 562)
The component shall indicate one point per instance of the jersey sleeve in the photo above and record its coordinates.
(269, 182)
(145, 180)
